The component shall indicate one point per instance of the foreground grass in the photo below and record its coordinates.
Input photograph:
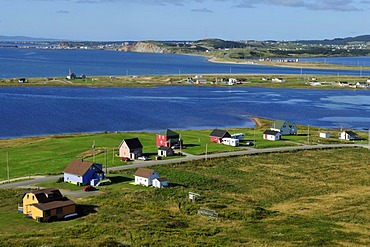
(303, 198)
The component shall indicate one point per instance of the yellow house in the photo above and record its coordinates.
(47, 205)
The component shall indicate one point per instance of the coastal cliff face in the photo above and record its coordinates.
(149, 47)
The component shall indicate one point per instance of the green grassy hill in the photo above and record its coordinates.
(303, 198)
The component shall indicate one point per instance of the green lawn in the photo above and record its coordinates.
(51, 154)
(301, 198)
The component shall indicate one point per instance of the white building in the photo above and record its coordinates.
(324, 134)
(230, 141)
(271, 135)
(145, 176)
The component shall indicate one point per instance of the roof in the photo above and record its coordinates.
(45, 195)
(278, 124)
(132, 143)
(169, 133)
(164, 148)
(54, 204)
(144, 172)
(271, 132)
(351, 133)
(220, 133)
(162, 179)
(79, 167)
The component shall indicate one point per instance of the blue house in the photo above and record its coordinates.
(81, 172)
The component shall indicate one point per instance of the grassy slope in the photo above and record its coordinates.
(50, 155)
(304, 198)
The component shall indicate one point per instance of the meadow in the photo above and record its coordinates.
(300, 198)
(292, 81)
(49, 155)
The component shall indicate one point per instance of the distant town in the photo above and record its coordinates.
(244, 49)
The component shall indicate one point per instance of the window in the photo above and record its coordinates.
(59, 210)
(47, 213)
(33, 198)
(28, 196)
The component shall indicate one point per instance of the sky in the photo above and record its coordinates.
(138, 20)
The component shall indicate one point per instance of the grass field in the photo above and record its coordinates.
(301, 198)
(292, 81)
(51, 154)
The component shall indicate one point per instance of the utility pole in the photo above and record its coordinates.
(7, 165)
(206, 150)
(113, 155)
(308, 135)
(93, 149)
(105, 160)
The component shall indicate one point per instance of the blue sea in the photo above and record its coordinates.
(15, 63)
(33, 111)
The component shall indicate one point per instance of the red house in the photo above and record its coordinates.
(217, 135)
(168, 138)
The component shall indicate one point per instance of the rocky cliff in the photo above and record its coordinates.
(150, 47)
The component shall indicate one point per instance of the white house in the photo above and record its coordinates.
(348, 135)
(324, 134)
(145, 176)
(160, 182)
(230, 141)
(278, 79)
(284, 127)
(271, 135)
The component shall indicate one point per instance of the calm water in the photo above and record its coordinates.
(54, 110)
(15, 63)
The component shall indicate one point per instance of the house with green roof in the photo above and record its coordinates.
(168, 138)
(284, 127)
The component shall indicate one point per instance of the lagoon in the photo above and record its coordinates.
(16, 63)
(34, 111)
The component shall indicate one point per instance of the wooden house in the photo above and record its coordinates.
(165, 151)
(271, 135)
(130, 148)
(348, 135)
(47, 205)
(82, 172)
(160, 182)
(168, 138)
(217, 135)
(145, 176)
(284, 127)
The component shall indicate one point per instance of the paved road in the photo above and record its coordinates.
(31, 181)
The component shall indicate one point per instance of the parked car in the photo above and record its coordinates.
(143, 158)
(125, 159)
(176, 146)
(249, 143)
(89, 188)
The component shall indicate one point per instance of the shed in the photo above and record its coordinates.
(324, 134)
(165, 151)
(160, 182)
(271, 135)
